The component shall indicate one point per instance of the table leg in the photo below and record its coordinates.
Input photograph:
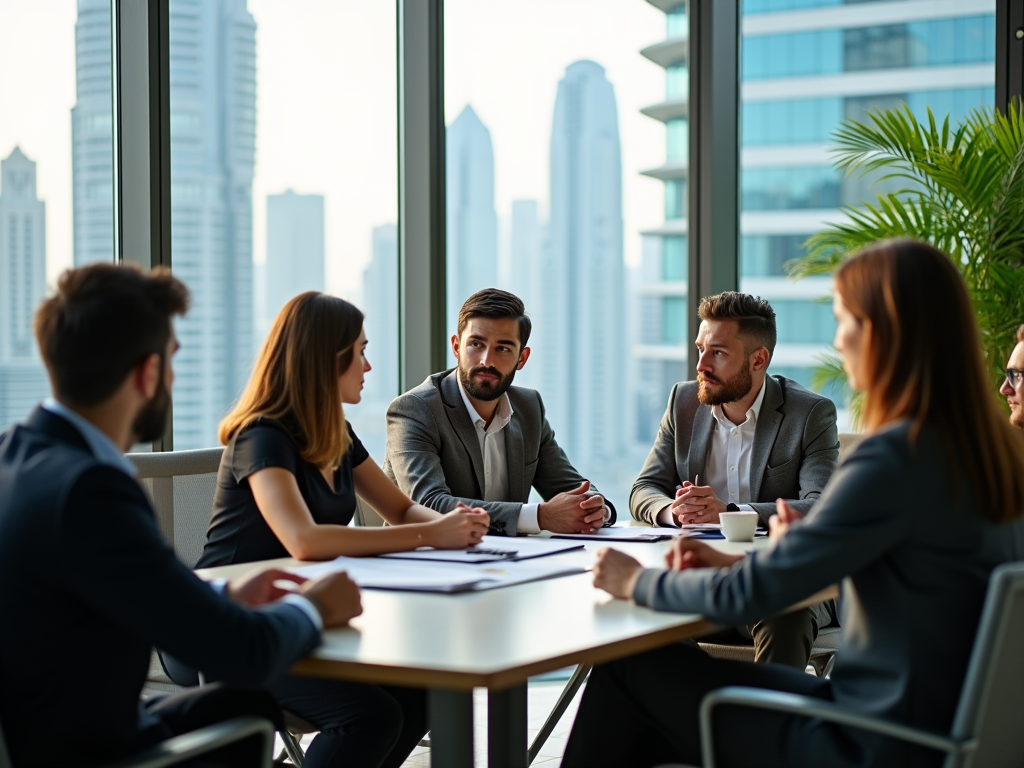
(451, 728)
(506, 728)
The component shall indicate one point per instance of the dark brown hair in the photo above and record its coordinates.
(103, 321)
(497, 304)
(295, 380)
(755, 317)
(923, 362)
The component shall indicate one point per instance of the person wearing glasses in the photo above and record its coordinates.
(912, 523)
(287, 486)
(1013, 386)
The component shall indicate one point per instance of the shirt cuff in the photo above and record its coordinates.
(307, 608)
(659, 519)
(746, 508)
(528, 522)
(220, 586)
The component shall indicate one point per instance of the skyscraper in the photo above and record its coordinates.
(213, 137)
(472, 226)
(92, 155)
(295, 249)
(213, 140)
(23, 381)
(579, 312)
(806, 66)
(380, 305)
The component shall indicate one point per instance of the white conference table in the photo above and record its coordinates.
(494, 639)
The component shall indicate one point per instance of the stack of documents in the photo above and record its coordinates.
(622, 533)
(418, 576)
(491, 549)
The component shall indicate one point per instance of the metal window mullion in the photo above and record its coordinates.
(142, 148)
(1009, 52)
(713, 167)
(421, 190)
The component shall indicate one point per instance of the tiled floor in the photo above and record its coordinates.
(540, 699)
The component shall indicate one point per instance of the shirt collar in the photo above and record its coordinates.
(502, 416)
(102, 447)
(719, 413)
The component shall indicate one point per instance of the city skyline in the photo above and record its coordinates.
(23, 381)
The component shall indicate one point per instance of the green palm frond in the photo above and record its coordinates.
(963, 192)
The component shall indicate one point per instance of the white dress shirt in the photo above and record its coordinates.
(728, 464)
(107, 451)
(491, 438)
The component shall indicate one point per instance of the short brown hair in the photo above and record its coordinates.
(103, 321)
(497, 304)
(1020, 333)
(295, 380)
(755, 317)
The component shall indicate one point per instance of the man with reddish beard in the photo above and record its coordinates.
(738, 439)
(467, 435)
(1013, 386)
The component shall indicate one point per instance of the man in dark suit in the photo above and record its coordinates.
(738, 440)
(87, 584)
(467, 435)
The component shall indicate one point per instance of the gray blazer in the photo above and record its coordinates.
(914, 558)
(796, 447)
(433, 453)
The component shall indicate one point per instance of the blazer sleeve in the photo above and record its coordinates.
(555, 473)
(414, 461)
(655, 487)
(819, 451)
(849, 528)
(126, 571)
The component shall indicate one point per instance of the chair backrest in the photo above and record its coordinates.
(993, 694)
(181, 485)
(847, 442)
(5, 758)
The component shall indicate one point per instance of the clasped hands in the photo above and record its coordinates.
(696, 504)
(617, 573)
(577, 511)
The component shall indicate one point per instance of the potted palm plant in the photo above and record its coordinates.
(961, 189)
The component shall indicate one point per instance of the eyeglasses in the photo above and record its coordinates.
(1014, 376)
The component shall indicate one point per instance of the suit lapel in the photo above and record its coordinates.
(458, 416)
(700, 442)
(765, 432)
(516, 454)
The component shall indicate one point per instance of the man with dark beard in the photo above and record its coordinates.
(467, 435)
(738, 439)
(84, 568)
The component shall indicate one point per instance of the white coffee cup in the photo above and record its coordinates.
(738, 526)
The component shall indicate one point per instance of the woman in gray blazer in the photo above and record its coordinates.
(912, 524)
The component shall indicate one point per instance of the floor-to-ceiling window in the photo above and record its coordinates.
(545, 198)
(56, 171)
(283, 180)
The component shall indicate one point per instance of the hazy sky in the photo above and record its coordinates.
(326, 97)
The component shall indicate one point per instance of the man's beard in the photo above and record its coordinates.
(485, 391)
(1017, 418)
(734, 389)
(151, 422)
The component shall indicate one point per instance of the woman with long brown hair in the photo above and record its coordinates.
(288, 481)
(912, 523)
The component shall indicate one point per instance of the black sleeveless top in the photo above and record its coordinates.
(238, 533)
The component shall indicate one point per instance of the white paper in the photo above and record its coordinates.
(622, 533)
(492, 549)
(418, 576)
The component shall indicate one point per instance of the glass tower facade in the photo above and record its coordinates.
(806, 66)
